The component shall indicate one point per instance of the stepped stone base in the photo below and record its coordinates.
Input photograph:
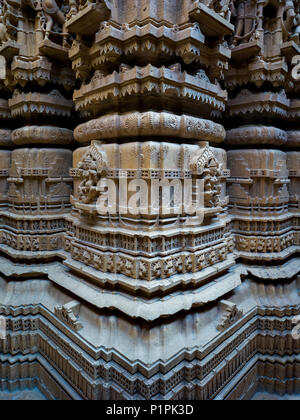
(216, 352)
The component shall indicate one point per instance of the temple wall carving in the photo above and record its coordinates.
(150, 197)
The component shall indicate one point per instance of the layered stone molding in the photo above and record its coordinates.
(149, 199)
(37, 83)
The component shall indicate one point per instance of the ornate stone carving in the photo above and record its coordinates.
(230, 315)
(263, 103)
(152, 225)
(247, 135)
(68, 313)
(35, 218)
(258, 189)
(42, 135)
(52, 104)
(160, 253)
(92, 167)
(122, 88)
(147, 124)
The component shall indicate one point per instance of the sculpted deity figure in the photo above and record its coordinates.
(92, 170)
(246, 20)
(291, 23)
(222, 7)
(52, 13)
(212, 186)
(88, 186)
(289, 10)
(6, 28)
(48, 12)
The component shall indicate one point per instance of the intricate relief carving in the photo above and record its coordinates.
(210, 170)
(69, 314)
(49, 19)
(148, 269)
(42, 135)
(264, 244)
(30, 243)
(49, 168)
(256, 135)
(26, 69)
(260, 200)
(53, 104)
(92, 168)
(266, 103)
(230, 315)
(156, 82)
(151, 74)
(149, 123)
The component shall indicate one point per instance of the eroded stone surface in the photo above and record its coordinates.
(24, 395)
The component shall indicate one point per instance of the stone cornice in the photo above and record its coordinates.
(264, 103)
(160, 82)
(53, 104)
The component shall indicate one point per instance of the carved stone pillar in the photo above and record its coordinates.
(4, 173)
(293, 162)
(148, 133)
(5, 143)
(5, 140)
(259, 199)
(261, 106)
(38, 196)
(35, 52)
(151, 259)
